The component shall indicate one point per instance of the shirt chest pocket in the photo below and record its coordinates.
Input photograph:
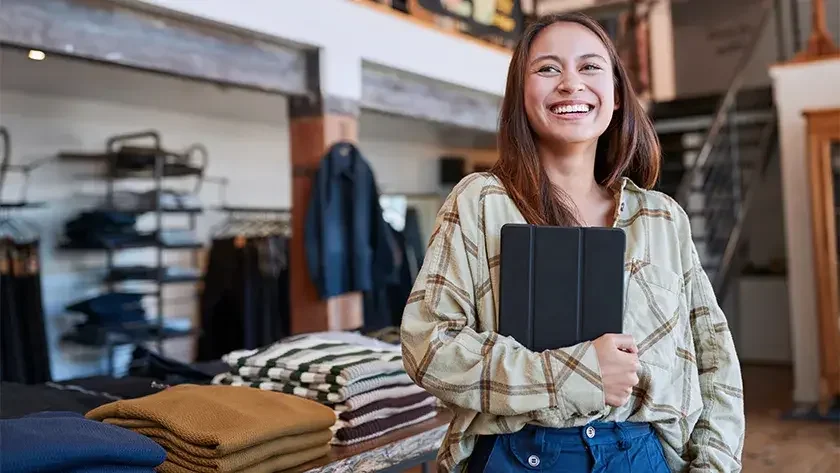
(653, 314)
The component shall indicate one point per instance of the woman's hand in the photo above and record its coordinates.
(619, 361)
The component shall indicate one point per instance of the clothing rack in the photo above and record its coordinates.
(253, 221)
(142, 156)
(25, 354)
(240, 212)
(6, 167)
(245, 302)
(17, 229)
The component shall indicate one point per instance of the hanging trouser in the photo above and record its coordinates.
(607, 447)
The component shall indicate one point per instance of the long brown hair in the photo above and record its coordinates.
(629, 147)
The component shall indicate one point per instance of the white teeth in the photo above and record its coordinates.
(577, 108)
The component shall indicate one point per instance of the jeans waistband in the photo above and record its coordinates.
(594, 433)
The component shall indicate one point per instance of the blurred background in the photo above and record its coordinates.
(158, 151)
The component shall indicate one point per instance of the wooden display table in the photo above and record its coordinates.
(394, 452)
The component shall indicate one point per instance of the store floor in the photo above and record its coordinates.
(774, 445)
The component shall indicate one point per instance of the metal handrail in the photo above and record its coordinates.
(684, 189)
(768, 148)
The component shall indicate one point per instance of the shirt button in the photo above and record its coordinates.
(534, 461)
(590, 431)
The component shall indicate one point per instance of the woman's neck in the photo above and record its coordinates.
(572, 169)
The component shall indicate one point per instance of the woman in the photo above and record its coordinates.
(576, 149)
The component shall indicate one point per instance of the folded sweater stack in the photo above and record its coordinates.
(66, 442)
(364, 382)
(220, 429)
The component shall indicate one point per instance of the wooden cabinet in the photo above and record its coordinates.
(823, 156)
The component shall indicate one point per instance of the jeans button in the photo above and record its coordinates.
(590, 431)
(534, 461)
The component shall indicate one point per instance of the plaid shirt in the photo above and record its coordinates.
(690, 385)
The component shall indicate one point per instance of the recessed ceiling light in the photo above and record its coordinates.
(36, 55)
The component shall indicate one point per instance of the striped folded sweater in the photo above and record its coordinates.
(325, 393)
(379, 427)
(383, 409)
(312, 360)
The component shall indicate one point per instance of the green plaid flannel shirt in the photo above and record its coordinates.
(690, 385)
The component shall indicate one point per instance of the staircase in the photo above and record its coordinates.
(715, 153)
(717, 189)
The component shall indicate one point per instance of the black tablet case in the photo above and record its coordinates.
(560, 286)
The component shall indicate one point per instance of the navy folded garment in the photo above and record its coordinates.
(67, 442)
(113, 469)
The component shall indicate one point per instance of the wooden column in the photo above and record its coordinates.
(316, 123)
(634, 45)
(820, 44)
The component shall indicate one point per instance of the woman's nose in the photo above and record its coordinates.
(571, 83)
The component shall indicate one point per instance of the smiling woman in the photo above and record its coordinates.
(568, 61)
(576, 149)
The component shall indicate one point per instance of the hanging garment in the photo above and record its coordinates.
(24, 353)
(245, 301)
(411, 251)
(346, 237)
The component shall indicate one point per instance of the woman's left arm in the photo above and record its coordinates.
(717, 442)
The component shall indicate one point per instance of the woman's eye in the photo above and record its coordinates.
(549, 68)
(591, 67)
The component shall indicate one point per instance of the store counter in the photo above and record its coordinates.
(395, 452)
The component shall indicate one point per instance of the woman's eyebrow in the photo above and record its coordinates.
(593, 55)
(555, 57)
(541, 57)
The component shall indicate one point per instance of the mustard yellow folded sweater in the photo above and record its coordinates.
(219, 420)
(271, 465)
(196, 459)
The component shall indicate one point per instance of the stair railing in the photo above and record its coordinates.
(716, 174)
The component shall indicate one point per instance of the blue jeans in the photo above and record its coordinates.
(599, 447)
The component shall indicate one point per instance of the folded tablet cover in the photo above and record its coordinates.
(560, 286)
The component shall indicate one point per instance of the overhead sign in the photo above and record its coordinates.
(562, 6)
(500, 19)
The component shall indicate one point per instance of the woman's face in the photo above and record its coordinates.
(569, 90)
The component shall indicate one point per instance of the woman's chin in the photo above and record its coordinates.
(572, 137)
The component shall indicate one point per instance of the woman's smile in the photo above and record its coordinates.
(570, 110)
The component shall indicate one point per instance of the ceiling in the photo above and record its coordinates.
(71, 77)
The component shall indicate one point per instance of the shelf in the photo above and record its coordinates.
(181, 276)
(114, 229)
(148, 172)
(133, 246)
(174, 327)
(142, 211)
(169, 171)
(22, 205)
(267, 210)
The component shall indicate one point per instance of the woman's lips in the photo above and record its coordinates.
(570, 111)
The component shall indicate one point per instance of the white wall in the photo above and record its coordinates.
(349, 33)
(765, 224)
(62, 104)
(763, 320)
(799, 87)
